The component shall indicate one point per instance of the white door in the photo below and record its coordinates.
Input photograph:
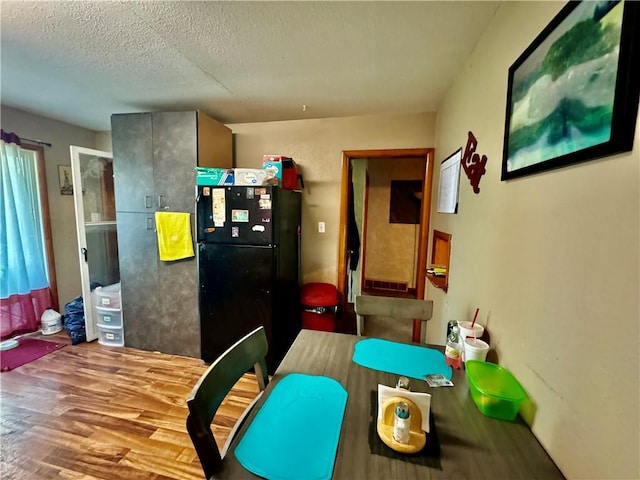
(92, 173)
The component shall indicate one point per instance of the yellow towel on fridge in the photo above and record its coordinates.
(174, 235)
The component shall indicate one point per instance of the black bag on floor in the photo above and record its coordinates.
(74, 320)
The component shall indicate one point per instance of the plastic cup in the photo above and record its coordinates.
(465, 330)
(475, 350)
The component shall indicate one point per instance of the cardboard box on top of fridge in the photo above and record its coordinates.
(274, 169)
(211, 177)
(255, 177)
(283, 168)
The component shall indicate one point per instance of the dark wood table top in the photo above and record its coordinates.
(471, 444)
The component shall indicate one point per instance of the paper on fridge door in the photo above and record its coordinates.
(218, 207)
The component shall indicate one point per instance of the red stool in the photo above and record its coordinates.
(319, 303)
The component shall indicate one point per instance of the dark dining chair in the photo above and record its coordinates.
(213, 386)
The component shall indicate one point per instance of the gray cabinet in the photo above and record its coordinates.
(138, 256)
(154, 158)
(132, 140)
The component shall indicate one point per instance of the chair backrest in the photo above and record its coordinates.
(395, 307)
(213, 386)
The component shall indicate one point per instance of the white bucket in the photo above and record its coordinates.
(50, 322)
(475, 350)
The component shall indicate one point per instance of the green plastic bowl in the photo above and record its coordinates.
(494, 390)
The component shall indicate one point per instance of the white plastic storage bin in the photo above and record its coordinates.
(109, 317)
(111, 337)
(109, 296)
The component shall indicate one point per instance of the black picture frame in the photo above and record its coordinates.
(569, 99)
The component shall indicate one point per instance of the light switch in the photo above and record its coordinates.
(320, 227)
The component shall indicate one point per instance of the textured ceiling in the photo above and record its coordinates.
(80, 62)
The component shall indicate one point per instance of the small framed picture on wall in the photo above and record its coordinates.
(66, 182)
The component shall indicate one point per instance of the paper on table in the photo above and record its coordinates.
(422, 400)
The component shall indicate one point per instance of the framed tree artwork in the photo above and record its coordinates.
(573, 94)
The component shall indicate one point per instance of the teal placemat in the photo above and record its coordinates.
(399, 358)
(295, 434)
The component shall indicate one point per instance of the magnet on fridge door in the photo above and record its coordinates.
(239, 215)
(264, 204)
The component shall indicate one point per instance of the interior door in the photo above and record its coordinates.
(92, 173)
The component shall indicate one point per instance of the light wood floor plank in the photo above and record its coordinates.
(90, 412)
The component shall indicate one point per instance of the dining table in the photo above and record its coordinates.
(469, 444)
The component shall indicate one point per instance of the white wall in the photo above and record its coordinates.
(63, 222)
(317, 146)
(552, 261)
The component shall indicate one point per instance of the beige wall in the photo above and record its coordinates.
(63, 222)
(552, 261)
(391, 253)
(103, 141)
(317, 146)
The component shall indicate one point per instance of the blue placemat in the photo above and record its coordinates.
(295, 434)
(399, 358)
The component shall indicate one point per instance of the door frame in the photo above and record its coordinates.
(425, 215)
(75, 151)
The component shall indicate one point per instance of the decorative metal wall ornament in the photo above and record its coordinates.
(473, 164)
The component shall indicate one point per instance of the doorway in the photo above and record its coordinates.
(345, 263)
(92, 172)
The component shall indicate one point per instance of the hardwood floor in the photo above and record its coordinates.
(93, 412)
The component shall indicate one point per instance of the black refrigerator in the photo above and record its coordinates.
(249, 267)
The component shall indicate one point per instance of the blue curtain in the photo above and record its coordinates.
(24, 284)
